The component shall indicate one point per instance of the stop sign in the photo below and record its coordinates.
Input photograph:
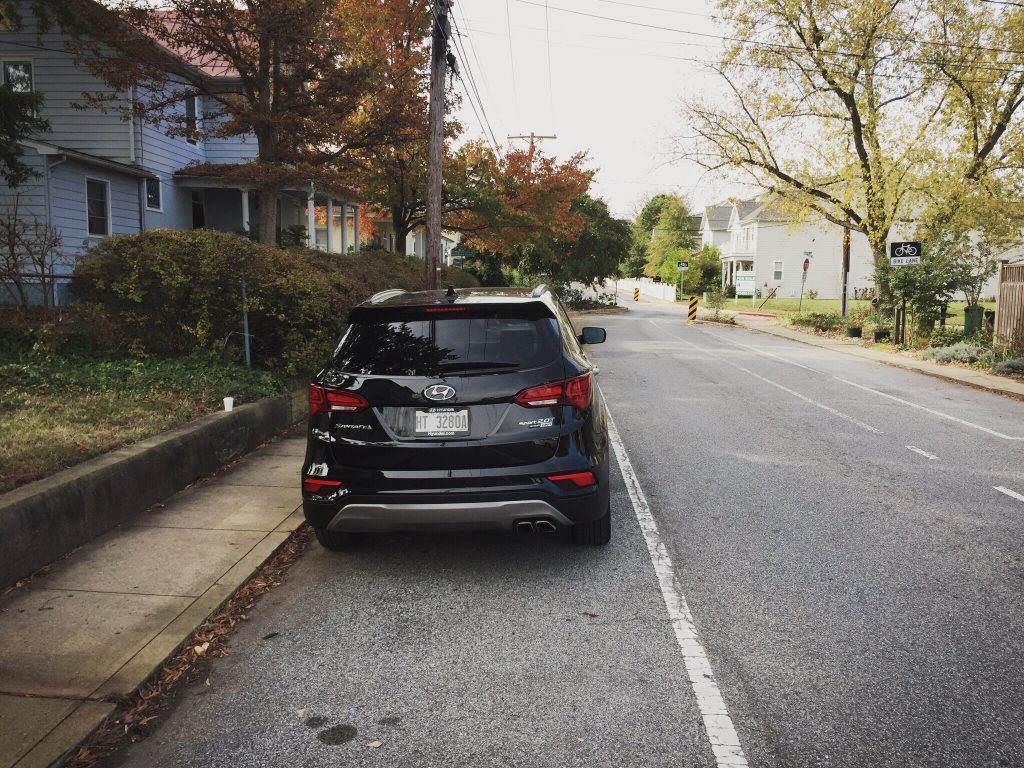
(807, 263)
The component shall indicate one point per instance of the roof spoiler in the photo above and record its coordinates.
(377, 298)
(539, 291)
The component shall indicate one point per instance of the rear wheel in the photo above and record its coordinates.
(595, 532)
(336, 540)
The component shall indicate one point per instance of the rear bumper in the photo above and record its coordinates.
(384, 512)
(459, 516)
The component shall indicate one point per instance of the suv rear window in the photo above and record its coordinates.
(417, 344)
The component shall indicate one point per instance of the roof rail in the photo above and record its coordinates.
(377, 298)
(539, 291)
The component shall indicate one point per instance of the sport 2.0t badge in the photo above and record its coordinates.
(439, 392)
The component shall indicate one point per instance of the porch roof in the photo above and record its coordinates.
(212, 175)
(47, 149)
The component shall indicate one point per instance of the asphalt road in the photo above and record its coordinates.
(854, 576)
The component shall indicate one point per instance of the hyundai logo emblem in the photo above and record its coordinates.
(439, 392)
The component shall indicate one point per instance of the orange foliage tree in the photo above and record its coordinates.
(311, 80)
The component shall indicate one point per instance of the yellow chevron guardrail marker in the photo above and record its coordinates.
(636, 294)
(692, 315)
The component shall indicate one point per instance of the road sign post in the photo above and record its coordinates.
(803, 282)
(691, 316)
(904, 254)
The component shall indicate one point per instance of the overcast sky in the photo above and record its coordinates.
(614, 88)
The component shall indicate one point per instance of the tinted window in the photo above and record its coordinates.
(432, 347)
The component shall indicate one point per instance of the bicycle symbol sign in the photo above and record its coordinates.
(904, 254)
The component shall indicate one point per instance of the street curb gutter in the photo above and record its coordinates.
(44, 520)
(974, 379)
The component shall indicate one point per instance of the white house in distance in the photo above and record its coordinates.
(753, 235)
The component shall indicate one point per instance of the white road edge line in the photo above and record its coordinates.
(929, 456)
(1008, 492)
(900, 400)
(725, 742)
(805, 398)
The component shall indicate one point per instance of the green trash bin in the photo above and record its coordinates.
(973, 318)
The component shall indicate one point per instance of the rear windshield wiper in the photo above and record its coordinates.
(472, 366)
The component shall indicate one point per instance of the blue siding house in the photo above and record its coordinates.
(99, 173)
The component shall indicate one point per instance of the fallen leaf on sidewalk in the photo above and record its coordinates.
(201, 649)
(590, 615)
(375, 744)
(270, 635)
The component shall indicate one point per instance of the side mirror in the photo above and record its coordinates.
(592, 335)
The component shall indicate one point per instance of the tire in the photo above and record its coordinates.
(597, 532)
(336, 541)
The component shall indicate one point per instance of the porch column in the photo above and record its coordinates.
(355, 226)
(330, 225)
(245, 211)
(310, 223)
(344, 227)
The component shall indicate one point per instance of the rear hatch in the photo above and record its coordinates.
(438, 385)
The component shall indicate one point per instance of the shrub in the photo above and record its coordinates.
(812, 294)
(961, 352)
(820, 321)
(945, 337)
(170, 293)
(1012, 367)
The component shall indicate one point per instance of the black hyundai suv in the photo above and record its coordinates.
(445, 410)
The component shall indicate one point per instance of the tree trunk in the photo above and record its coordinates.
(401, 227)
(268, 215)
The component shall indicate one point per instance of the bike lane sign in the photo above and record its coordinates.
(904, 254)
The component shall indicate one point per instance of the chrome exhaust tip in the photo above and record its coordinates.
(545, 526)
(524, 526)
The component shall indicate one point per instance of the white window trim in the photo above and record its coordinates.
(197, 104)
(160, 186)
(110, 214)
(780, 270)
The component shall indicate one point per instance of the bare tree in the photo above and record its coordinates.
(29, 252)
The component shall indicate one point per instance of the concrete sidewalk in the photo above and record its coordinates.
(102, 619)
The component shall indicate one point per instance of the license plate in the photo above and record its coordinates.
(442, 422)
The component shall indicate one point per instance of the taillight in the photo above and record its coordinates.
(574, 392)
(579, 479)
(325, 400)
(318, 484)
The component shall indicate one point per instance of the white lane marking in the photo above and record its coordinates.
(725, 742)
(1010, 493)
(900, 400)
(929, 456)
(815, 403)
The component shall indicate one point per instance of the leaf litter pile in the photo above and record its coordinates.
(135, 716)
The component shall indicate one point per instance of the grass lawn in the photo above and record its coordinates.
(59, 409)
(788, 307)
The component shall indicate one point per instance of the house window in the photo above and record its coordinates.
(192, 118)
(154, 195)
(97, 196)
(18, 76)
(777, 271)
(198, 211)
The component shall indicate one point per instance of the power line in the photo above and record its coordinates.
(461, 53)
(774, 46)
(511, 57)
(551, 86)
(752, 65)
(476, 58)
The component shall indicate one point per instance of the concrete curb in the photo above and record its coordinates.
(44, 520)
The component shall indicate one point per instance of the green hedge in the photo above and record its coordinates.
(170, 292)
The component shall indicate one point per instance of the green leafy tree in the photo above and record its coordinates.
(19, 112)
(672, 241)
(596, 252)
(640, 236)
(705, 272)
(866, 112)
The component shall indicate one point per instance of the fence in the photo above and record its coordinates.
(664, 291)
(1009, 328)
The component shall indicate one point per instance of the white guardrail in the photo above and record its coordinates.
(648, 287)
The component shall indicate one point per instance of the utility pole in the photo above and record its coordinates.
(534, 138)
(846, 269)
(438, 69)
